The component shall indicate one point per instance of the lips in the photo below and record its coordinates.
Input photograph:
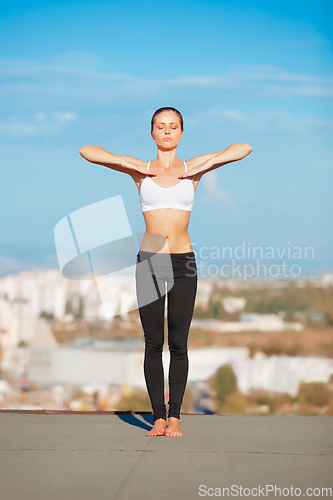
(167, 139)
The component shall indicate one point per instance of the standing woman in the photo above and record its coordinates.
(165, 264)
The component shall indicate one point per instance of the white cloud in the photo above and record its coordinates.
(76, 80)
(328, 163)
(81, 73)
(17, 128)
(39, 123)
(278, 206)
(217, 115)
(213, 191)
(41, 116)
(78, 58)
(67, 116)
(261, 120)
(11, 265)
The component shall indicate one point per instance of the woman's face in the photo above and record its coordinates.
(167, 130)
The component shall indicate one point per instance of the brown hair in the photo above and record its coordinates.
(168, 108)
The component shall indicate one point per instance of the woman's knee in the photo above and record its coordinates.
(154, 347)
(177, 347)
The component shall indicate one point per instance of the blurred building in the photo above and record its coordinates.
(233, 304)
(280, 373)
(248, 321)
(118, 362)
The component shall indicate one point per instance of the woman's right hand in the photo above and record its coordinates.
(135, 168)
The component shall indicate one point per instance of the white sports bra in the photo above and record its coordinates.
(179, 196)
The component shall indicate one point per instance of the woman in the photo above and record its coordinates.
(166, 264)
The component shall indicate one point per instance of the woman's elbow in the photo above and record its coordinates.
(86, 153)
(83, 150)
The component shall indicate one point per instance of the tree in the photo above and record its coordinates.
(136, 401)
(46, 315)
(223, 383)
(314, 393)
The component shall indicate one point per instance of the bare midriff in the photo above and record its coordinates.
(167, 231)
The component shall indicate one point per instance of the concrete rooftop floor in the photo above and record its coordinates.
(90, 456)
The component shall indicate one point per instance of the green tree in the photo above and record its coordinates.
(23, 343)
(235, 403)
(215, 308)
(187, 405)
(46, 315)
(224, 382)
(80, 309)
(137, 401)
(314, 393)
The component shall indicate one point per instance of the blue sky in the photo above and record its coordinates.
(92, 73)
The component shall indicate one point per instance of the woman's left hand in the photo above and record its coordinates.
(190, 173)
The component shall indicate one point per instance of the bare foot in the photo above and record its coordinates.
(158, 429)
(173, 428)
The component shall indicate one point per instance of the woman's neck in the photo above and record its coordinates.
(167, 158)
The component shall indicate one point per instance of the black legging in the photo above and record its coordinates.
(153, 272)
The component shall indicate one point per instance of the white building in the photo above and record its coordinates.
(327, 280)
(233, 304)
(118, 363)
(249, 321)
(121, 362)
(280, 373)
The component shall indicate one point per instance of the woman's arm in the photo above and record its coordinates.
(205, 163)
(121, 163)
